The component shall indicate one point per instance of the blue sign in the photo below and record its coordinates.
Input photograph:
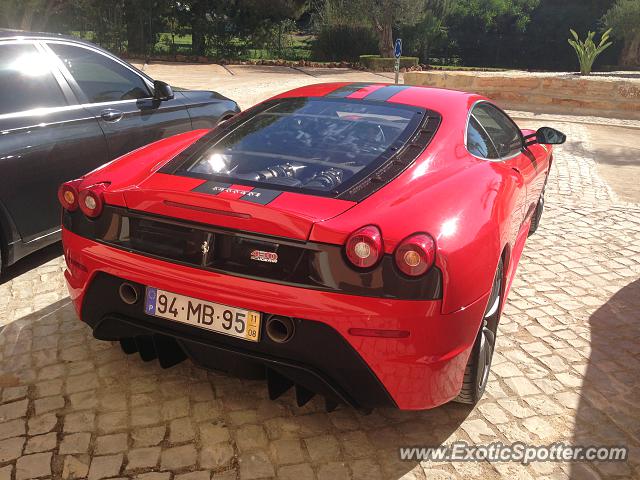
(397, 49)
(150, 304)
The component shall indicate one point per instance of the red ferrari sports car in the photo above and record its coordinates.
(351, 240)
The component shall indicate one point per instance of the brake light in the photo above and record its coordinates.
(91, 200)
(364, 247)
(416, 254)
(68, 195)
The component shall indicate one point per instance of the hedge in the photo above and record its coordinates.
(380, 64)
(342, 42)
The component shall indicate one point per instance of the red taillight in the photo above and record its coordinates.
(364, 247)
(416, 254)
(91, 200)
(68, 195)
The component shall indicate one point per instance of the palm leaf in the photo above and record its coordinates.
(586, 49)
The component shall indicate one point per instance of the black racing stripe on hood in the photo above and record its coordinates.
(347, 90)
(385, 93)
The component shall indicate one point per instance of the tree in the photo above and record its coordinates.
(490, 32)
(383, 16)
(268, 23)
(31, 15)
(419, 39)
(144, 20)
(226, 25)
(342, 32)
(624, 19)
(546, 46)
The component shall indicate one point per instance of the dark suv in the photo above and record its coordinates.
(67, 107)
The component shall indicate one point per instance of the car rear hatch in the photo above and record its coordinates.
(237, 207)
(287, 164)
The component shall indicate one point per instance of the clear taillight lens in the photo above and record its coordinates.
(68, 195)
(416, 254)
(364, 247)
(91, 200)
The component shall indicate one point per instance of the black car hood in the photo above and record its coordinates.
(198, 96)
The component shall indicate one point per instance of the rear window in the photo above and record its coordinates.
(310, 145)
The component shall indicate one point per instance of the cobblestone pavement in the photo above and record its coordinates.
(566, 369)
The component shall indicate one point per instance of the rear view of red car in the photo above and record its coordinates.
(355, 241)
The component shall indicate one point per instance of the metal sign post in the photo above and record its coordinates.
(397, 52)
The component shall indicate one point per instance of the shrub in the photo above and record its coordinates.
(587, 50)
(343, 42)
(381, 64)
(624, 19)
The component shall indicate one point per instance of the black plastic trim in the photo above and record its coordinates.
(318, 358)
(315, 266)
(397, 163)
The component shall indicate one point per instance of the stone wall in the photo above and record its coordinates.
(604, 96)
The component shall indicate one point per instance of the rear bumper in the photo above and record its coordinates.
(421, 371)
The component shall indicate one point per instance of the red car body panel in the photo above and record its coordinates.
(436, 351)
(290, 215)
(477, 211)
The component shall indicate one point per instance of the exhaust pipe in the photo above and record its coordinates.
(280, 329)
(128, 293)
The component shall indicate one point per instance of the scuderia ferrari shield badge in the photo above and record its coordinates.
(260, 256)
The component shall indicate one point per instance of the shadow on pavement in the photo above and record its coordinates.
(30, 262)
(35, 332)
(615, 145)
(609, 407)
(54, 340)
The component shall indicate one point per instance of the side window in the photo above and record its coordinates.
(26, 79)
(504, 133)
(100, 78)
(478, 142)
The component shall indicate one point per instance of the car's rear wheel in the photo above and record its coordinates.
(476, 373)
(2, 257)
(537, 215)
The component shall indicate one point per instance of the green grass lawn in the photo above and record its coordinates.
(298, 46)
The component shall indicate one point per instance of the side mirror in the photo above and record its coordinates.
(546, 136)
(162, 91)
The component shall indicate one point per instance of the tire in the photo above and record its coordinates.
(1, 257)
(476, 373)
(537, 215)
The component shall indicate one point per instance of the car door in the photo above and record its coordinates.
(120, 98)
(509, 145)
(45, 139)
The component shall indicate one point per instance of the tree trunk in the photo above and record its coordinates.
(27, 16)
(198, 19)
(135, 27)
(630, 56)
(43, 18)
(385, 39)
